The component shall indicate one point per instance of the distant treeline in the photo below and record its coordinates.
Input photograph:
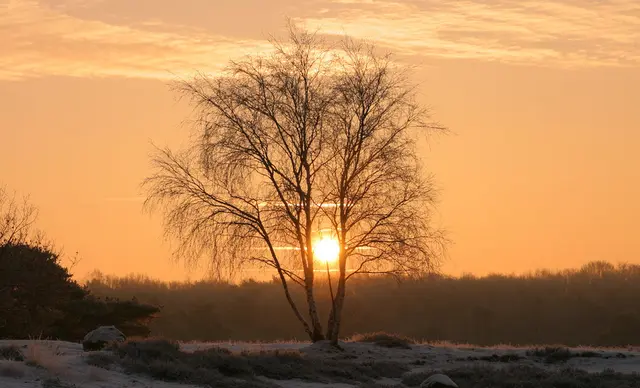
(599, 304)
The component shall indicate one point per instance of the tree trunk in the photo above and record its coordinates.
(316, 326)
(287, 294)
(335, 317)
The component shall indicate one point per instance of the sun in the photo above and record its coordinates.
(326, 250)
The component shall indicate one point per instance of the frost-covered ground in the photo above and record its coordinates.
(52, 364)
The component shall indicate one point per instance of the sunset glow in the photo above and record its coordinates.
(326, 250)
(540, 169)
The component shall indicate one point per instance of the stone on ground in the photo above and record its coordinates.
(97, 339)
(438, 381)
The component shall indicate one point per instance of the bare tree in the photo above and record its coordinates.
(17, 218)
(305, 136)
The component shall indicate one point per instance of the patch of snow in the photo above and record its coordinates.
(68, 362)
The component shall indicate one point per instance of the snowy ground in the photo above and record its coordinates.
(53, 364)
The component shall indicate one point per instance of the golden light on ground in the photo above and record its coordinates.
(326, 250)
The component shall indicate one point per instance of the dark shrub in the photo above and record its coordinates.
(11, 352)
(385, 340)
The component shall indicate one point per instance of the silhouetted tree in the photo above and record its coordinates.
(36, 289)
(38, 296)
(288, 142)
(17, 219)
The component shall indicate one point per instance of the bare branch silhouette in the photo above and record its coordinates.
(285, 142)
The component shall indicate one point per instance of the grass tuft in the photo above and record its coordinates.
(384, 339)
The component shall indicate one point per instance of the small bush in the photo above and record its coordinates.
(11, 352)
(509, 357)
(589, 354)
(552, 354)
(101, 359)
(385, 340)
(148, 350)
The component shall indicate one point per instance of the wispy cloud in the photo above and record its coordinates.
(38, 40)
(546, 32)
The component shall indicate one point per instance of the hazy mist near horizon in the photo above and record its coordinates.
(541, 170)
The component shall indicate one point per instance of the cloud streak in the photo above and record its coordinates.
(39, 41)
(565, 33)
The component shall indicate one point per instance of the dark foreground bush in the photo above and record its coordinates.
(11, 353)
(529, 377)
(163, 360)
(384, 339)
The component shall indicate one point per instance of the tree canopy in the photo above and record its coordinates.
(39, 297)
(309, 142)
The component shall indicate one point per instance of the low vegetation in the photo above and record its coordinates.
(557, 354)
(11, 352)
(521, 376)
(101, 359)
(509, 357)
(385, 340)
(163, 360)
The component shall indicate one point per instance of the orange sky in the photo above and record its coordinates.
(543, 169)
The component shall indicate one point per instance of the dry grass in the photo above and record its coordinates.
(48, 357)
(44, 355)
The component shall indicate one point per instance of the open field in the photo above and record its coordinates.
(387, 361)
